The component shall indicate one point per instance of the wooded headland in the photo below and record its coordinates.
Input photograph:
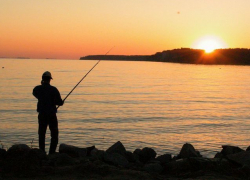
(237, 56)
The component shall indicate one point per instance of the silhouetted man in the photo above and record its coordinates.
(48, 97)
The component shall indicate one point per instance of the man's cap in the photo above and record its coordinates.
(47, 74)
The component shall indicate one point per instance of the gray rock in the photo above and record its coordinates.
(230, 150)
(246, 170)
(241, 158)
(96, 169)
(188, 151)
(153, 161)
(98, 154)
(35, 157)
(117, 148)
(61, 159)
(130, 156)
(37, 154)
(2, 153)
(153, 168)
(146, 154)
(18, 149)
(219, 155)
(195, 165)
(187, 165)
(198, 163)
(89, 150)
(177, 167)
(166, 158)
(137, 151)
(22, 160)
(116, 159)
(72, 150)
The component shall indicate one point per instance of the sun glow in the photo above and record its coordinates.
(209, 44)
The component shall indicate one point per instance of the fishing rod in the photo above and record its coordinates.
(84, 77)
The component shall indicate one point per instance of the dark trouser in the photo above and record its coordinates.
(44, 120)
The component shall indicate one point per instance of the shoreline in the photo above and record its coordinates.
(71, 162)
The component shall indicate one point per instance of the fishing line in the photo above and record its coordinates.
(84, 77)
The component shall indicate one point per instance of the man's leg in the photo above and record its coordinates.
(42, 130)
(53, 126)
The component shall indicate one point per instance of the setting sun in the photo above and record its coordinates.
(209, 44)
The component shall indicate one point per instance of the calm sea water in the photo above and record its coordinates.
(141, 104)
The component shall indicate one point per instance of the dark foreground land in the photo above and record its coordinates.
(22, 162)
(186, 55)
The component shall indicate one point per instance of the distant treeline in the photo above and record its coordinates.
(117, 57)
(237, 56)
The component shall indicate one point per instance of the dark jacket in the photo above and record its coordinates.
(48, 97)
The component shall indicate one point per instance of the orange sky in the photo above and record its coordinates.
(70, 29)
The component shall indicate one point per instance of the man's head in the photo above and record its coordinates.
(46, 77)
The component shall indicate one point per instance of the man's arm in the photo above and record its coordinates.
(58, 99)
(35, 92)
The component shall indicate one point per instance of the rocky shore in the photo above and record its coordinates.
(116, 163)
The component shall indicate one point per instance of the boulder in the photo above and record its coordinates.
(177, 167)
(37, 154)
(117, 148)
(137, 151)
(188, 151)
(97, 154)
(61, 159)
(219, 155)
(18, 150)
(248, 148)
(226, 150)
(96, 169)
(166, 158)
(199, 163)
(130, 156)
(116, 159)
(241, 158)
(72, 150)
(89, 150)
(245, 169)
(136, 154)
(22, 160)
(2, 153)
(146, 154)
(153, 168)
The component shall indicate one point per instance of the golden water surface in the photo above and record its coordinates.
(141, 104)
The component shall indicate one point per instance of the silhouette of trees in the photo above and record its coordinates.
(237, 56)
